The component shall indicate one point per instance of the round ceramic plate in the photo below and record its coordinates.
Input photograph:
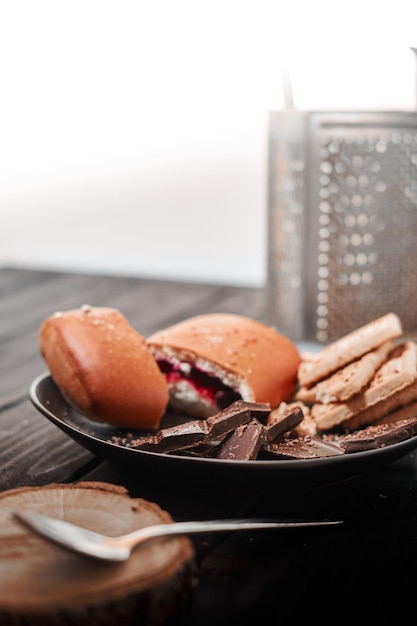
(192, 470)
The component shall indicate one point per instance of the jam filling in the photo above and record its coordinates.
(206, 385)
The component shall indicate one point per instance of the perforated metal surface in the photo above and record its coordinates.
(342, 221)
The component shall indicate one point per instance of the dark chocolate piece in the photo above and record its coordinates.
(194, 432)
(203, 448)
(280, 423)
(243, 443)
(378, 435)
(230, 418)
(258, 410)
(166, 439)
(302, 447)
(177, 437)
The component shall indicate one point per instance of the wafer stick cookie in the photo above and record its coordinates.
(349, 348)
(347, 381)
(399, 399)
(403, 413)
(395, 374)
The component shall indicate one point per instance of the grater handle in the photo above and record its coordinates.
(415, 52)
(288, 90)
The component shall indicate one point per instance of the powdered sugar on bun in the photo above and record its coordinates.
(224, 357)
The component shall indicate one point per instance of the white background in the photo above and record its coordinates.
(133, 135)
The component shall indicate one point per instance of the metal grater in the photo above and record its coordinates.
(342, 221)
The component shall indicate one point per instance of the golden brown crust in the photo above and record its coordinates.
(265, 360)
(349, 348)
(104, 367)
(396, 374)
(347, 381)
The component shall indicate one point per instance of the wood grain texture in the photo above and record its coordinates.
(42, 581)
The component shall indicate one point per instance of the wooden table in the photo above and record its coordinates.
(365, 569)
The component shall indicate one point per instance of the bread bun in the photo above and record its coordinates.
(103, 367)
(211, 360)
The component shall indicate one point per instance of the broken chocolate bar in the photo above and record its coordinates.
(243, 443)
(173, 438)
(221, 424)
(378, 435)
(195, 432)
(204, 448)
(304, 447)
(235, 415)
(280, 422)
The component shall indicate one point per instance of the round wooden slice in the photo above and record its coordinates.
(44, 584)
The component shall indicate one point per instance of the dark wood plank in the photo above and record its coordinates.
(154, 305)
(21, 362)
(34, 451)
(26, 308)
(147, 304)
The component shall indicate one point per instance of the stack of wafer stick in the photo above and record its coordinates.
(368, 376)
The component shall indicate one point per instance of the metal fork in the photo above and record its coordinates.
(119, 548)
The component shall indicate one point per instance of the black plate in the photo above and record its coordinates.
(233, 475)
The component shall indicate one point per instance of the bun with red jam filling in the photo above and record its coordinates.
(210, 361)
